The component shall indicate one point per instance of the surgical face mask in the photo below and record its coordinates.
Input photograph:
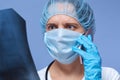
(59, 43)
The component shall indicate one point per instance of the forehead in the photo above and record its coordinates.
(62, 8)
(62, 19)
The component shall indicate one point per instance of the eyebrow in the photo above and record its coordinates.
(50, 24)
(77, 24)
(73, 24)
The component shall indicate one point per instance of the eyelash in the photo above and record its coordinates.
(71, 27)
(52, 26)
(67, 26)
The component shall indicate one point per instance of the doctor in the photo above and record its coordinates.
(69, 27)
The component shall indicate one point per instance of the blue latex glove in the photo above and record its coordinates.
(91, 58)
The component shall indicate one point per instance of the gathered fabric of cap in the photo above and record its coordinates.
(77, 9)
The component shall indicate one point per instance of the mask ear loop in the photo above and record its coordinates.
(81, 46)
(88, 32)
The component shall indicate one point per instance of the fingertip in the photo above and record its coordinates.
(89, 37)
(78, 51)
(79, 41)
(74, 48)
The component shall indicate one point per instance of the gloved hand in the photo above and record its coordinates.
(90, 56)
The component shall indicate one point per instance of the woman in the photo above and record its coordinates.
(69, 30)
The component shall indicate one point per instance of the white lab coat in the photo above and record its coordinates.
(107, 74)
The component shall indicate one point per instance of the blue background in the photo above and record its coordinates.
(107, 36)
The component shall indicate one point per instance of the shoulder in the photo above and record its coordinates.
(110, 74)
(41, 73)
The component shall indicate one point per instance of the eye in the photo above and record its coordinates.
(51, 27)
(71, 27)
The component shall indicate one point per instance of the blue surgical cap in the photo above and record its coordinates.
(77, 9)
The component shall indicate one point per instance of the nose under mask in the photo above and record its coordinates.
(59, 43)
